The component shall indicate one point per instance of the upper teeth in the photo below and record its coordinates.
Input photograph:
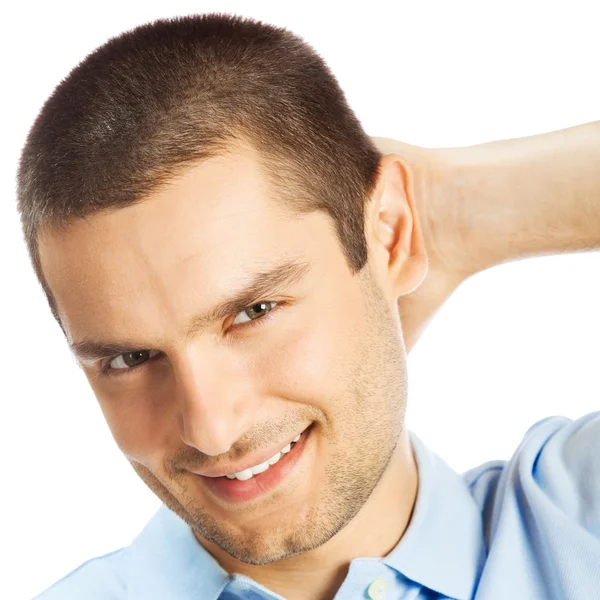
(248, 473)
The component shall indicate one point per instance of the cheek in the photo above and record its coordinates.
(311, 361)
(137, 419)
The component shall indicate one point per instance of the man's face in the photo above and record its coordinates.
(188, 398)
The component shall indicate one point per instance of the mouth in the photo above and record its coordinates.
(250, 485)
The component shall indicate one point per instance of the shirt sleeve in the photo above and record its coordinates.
(541, 514)
(567, 466)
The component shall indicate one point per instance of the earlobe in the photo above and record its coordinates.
(397, 230)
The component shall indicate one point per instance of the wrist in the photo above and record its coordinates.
(472, 200)
(455, 183)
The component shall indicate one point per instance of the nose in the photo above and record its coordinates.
(217, 401)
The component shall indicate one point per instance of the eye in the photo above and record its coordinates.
(130, 360)
(254, 312)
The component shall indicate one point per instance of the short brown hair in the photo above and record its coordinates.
(156, 99)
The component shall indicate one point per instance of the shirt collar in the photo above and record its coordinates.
(443, 547)
(169, 563)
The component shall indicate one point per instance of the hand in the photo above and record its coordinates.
(438, 211)
(484, 205)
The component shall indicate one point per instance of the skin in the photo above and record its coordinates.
(484, 205)
(332, 355)
(436, 218)
(442, 212)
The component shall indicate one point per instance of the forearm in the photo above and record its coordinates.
(524, 197)
(492, 203)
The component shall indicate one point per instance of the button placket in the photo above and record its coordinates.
(378, 589)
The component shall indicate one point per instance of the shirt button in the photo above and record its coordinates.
(378, 589)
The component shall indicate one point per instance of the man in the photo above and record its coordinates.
(240, 272)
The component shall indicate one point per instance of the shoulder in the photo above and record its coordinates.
(562, 461)
(101, 577)
(553, 474)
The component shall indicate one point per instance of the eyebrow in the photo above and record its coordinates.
(266, 282)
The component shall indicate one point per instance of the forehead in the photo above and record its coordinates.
(198, 235)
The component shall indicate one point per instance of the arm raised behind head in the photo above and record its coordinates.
(492, 203)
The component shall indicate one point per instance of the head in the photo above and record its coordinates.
(223, 247)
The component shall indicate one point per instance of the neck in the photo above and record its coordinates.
(374, 531)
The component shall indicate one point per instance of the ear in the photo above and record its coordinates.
(393, 229)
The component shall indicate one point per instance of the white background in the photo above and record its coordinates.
(513, 345)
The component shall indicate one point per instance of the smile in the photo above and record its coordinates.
(266, 477)
(262, 467)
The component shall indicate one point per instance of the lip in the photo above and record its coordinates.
(235, 491)
(249, 462)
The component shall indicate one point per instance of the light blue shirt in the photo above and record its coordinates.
(523, 529)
